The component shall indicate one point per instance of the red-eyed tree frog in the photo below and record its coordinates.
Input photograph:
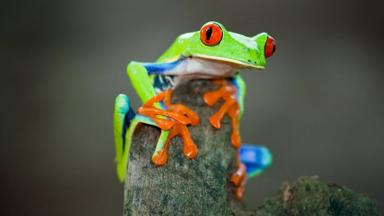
(210, 53)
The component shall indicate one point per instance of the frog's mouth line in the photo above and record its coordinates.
(207, 67)
(234, 62)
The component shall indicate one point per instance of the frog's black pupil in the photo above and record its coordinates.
(208, 34)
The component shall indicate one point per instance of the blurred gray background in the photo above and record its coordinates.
(319, 106)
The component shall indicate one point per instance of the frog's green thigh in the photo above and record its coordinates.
(122, 116)
(141, 81)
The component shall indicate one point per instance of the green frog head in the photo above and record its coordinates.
(214, 42)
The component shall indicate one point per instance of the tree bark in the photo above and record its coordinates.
(182, 186)
(201, 186)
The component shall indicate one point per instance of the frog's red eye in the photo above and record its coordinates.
(211, 34)
(270, 47)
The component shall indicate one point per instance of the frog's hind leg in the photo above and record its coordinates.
(251, 161)
(122, 117)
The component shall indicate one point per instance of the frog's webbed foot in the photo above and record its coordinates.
(228, 93)
(173, 121)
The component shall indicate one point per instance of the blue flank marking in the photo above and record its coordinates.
(127, 121)
(130, 115)
(234, 81)
(159, 68)
(255, 158)
(237, 86)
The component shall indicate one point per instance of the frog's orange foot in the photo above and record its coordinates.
(226, 92)
(238, 179)
(174, 119)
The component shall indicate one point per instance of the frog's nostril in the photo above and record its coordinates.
(270, 47)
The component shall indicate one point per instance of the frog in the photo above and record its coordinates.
(210, 53)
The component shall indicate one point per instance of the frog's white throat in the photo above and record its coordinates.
(200, 68)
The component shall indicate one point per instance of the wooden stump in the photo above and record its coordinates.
(201, 186)
(182, 186)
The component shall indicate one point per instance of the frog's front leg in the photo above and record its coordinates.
(232, 92)
(171, 118)
(174, 119)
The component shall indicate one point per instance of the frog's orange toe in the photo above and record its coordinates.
(190, 151)
(239, 192)
(235, 139)
(160, 158)
(215, 121)
(239, 176)
(211, 98)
